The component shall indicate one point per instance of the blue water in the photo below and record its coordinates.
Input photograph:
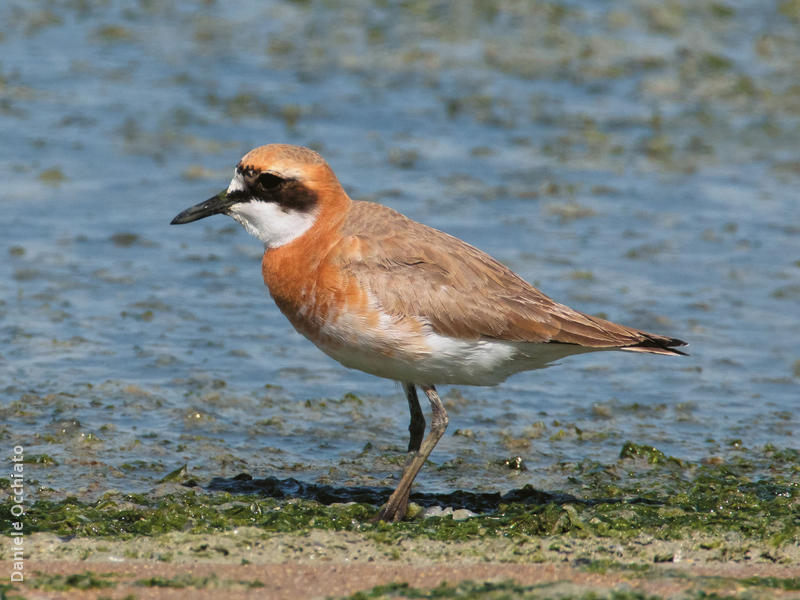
(634, 161)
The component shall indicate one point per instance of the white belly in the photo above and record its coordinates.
(450, 360)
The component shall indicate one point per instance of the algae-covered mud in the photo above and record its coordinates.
(647, 523)
(637, 160)
(623, 500)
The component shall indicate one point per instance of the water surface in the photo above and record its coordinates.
(634, 160)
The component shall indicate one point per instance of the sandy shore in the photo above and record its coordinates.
(249, 563)
(336, 579)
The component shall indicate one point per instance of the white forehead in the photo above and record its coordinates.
(237, 183)
(287, 172)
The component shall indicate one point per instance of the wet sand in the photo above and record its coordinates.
(251, 563)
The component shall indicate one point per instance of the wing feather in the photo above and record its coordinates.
(459, 291)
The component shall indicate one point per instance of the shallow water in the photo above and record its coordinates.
(634, 160)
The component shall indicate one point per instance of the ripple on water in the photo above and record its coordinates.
(635, 161)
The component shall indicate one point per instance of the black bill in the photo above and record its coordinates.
(213, 206)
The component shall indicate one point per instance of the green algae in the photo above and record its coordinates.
(781, 583)
(702, 586)
(492, 590)
(663, 497)
(652, 455)
(606, 565)
(470, 590)
(39, 459)
(87, 580)
(663, 511)
(196, 582)
(53, 176)
(6, 590)
(180, 474)
(113, 34)
(130, 515)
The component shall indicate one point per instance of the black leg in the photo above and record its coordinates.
(417, 426)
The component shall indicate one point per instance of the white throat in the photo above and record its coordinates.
(268, 221)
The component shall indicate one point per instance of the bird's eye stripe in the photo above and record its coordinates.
(269, 181)
(238, 195)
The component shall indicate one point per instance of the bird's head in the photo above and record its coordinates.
(277, 193)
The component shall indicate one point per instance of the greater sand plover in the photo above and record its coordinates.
(392, 297)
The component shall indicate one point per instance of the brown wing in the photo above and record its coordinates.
(462, 292)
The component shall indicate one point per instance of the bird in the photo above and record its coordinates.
(382, 293)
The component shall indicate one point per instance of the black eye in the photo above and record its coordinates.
(268, 181)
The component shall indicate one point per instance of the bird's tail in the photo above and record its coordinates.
(656, 344)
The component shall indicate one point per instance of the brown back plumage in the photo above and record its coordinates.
(462, 292)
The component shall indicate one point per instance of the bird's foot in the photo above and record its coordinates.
(393, 511)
